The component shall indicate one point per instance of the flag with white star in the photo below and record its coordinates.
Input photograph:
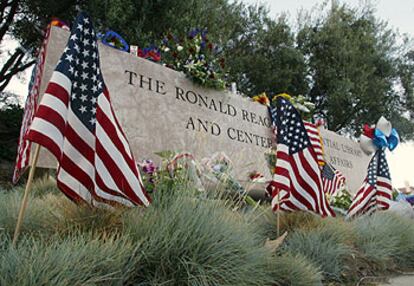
(32, 101)
(376, 191)
(333, 180)
(297, 182)
(76, 123)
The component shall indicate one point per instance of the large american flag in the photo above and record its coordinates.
(376, 191)
(24, 146)
(75, 122)
(297, 182)
(316, 140)
(333, 180)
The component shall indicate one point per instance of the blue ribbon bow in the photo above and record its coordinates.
(381, 141)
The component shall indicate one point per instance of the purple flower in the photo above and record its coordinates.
(148, 167)
(204, 34)
(193, 33)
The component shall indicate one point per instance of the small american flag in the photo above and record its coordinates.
(24, 146)
(333, 180)
(376, 191)
(297, 182)
(316, 140)
(75, 122)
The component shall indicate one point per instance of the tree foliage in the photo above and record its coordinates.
(353, 68)
(10, 119)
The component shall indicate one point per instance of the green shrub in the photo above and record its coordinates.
(76, 260)
(185, 241)
(295, 270)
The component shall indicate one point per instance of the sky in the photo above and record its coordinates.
(398, 13)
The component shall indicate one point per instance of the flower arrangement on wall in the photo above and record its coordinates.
(196, 56)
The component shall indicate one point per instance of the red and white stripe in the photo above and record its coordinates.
(298, 178)
(316, 140)
(24, 146)
(332, 187)
(370, 198)
(95, 168)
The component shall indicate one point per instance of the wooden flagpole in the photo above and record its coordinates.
(278, 214)
(23, 206)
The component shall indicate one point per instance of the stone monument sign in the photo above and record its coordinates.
(160, 109)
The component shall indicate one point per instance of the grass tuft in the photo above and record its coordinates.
(196, 242)
(386, 240)
(295, 270)
(76, 260)
(323, 247)
(39, 217)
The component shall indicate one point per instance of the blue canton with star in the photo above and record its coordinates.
(378, 167)
(328, 172)
(80, 63)
(290, 128)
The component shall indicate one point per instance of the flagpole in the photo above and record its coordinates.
(23, 206)
(278, 213)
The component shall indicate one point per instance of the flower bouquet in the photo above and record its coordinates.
(196, 56)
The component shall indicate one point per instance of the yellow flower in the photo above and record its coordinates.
(284, 95)
(262, 98)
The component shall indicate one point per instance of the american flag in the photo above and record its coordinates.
(376, 191)
(315, 138)
(24, 146)
(333, 180)
(297, 182)
(75, 122)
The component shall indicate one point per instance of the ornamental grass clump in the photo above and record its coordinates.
(38, 219)
(324, 247)
(83, 218)
(188, 241)
(289, 222)
(385, 240)
(288, 269)
(42, 187)
(78, 259)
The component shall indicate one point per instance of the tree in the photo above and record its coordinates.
(352, 67)
(263, 57)
(15, 61)
(25, 21)
(10, 119)
(403, 116)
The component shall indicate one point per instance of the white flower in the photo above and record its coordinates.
(309, 104)
(302, 107)
(166, 49)
(179, 48)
